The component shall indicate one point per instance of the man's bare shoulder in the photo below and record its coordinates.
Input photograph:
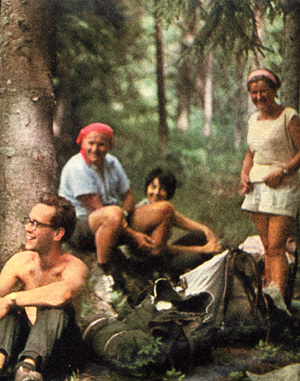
(70, 258)
(24, 258)
(20, 264)
(73, 262)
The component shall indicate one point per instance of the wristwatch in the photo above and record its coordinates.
(285, 171)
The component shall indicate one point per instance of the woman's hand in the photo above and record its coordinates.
(212, 247)
(274, 179)
(246, 185)
(143, 241)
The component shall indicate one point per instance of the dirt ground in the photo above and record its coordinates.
(227, 360)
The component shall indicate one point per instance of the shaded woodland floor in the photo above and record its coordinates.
(227, 360)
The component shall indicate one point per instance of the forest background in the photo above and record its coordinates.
(168, 76)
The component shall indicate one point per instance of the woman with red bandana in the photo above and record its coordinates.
(97, 185)
(269, 177)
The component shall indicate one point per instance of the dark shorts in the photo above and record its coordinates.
(83, 238)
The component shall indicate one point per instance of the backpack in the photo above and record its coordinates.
(177, 326)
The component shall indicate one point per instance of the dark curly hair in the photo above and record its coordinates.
(166, 178)
(65, 215)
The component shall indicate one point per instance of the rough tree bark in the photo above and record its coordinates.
(291, 63)
(28, 165)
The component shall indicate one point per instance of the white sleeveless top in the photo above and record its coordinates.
(271, 144)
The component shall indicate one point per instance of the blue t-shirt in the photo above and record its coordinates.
(78, 178)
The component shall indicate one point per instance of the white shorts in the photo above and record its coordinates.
(282, 201)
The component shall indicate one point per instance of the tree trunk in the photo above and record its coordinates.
(260, 27)
(258, 59)
(208, 95)
(291, 70)
(28, 165)
(200, 82)
(239, 104)
(185, 82)
(161, 93)
(291, 66)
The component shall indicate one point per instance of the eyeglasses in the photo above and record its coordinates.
(34, 223)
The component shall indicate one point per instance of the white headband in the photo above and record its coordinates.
(263, 73)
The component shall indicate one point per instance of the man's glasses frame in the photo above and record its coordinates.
(34, 223)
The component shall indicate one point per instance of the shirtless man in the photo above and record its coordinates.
(40, 289)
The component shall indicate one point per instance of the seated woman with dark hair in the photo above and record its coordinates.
(193, 248)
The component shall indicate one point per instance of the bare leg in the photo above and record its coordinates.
(261, 222)
(279, 229)
(106, 224)
(208, 248)
(156, 218)
(274, 232)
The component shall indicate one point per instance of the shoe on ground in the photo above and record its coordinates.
(26, 372)
(274, 292)
(104, 288)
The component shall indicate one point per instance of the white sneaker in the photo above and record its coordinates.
(104, 288)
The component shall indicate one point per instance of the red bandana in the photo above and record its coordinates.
(97, 127)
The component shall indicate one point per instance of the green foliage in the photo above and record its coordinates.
(174, 374)
(117, 300)
(237, 376)
(74, 377)
(138, 365)
(169, 10)
(98, 55)
(87, 309)
(106, 71)
(222, 23)
(267, 350)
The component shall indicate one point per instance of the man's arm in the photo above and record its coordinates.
(8, 281)
(58, 293)
(9, 277)
(53, 295)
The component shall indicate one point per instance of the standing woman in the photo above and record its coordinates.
(269, 177)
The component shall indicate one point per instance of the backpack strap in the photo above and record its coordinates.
(228, 282)
(245, 268)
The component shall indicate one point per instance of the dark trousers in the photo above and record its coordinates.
(53, 341)
(187, 261)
